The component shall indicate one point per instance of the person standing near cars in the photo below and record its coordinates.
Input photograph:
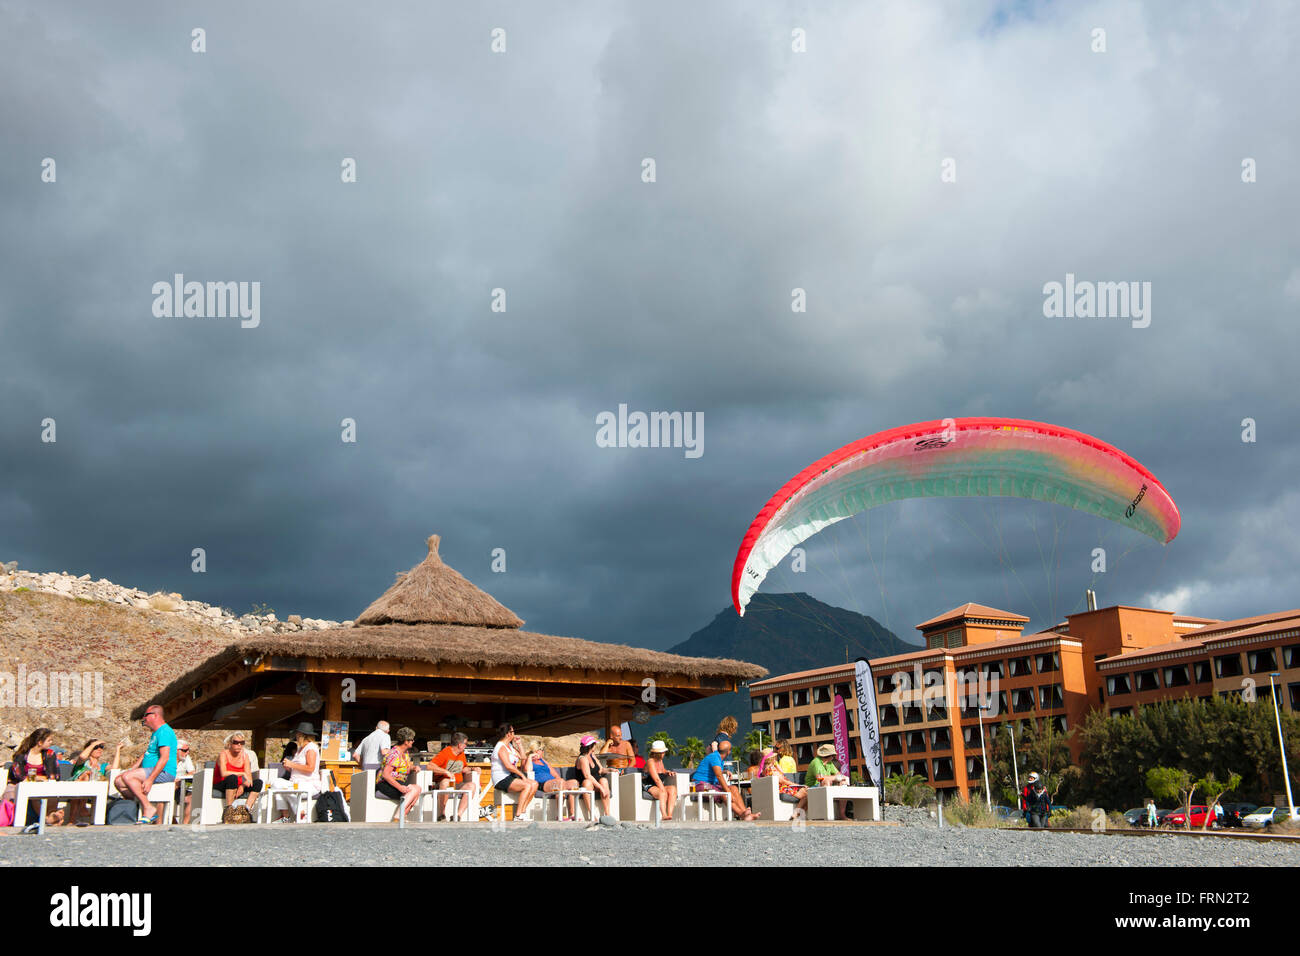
(1040, 805)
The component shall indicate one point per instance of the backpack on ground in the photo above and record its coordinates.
(121, 812)
(330, 808)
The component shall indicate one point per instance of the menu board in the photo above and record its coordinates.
(334, 740)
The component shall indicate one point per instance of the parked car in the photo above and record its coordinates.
(1263, 816)
(1162, 816)
(1233, 813)
(1178, 818)
(1137, 817)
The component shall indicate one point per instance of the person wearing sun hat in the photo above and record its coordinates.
(588, 773)
(302, 767)
(657, 783)
(822, 771)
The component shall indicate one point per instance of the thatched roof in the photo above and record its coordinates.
(473, 646)
(433, 593)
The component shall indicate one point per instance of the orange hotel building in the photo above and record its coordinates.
(1113, 659)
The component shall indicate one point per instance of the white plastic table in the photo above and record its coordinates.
(822, 802)
(46, 790)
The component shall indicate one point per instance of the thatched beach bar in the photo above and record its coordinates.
(437, 654)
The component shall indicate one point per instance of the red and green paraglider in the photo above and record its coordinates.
(962, 457)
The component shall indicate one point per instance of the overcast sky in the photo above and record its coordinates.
(522, 170)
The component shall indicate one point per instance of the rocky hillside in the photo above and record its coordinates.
(136, 641)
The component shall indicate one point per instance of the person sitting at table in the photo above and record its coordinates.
(546, 778)
(184, 772)
(156, 765)
(709, 775)
(657, 782)
(302, 768)
(787, 790)
(506, 773)
(35, 760)
(396, 779)
(233, 775)
(615, 744)
(785, 758)
(449, 773)
(822, 771)
(587, 773)
(89, 767)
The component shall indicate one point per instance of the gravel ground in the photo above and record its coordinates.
(916, 842)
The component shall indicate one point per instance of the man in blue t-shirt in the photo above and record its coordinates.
(709, 775)
(156, 765)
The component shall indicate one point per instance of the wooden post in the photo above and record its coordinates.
(259, 745)
(334, 698)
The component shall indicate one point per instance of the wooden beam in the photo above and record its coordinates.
(356, 666)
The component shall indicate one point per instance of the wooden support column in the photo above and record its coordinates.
(259, 745)
(334, 697)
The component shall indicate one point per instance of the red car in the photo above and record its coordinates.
(1179, 819)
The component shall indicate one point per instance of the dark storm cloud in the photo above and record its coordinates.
(522, 171)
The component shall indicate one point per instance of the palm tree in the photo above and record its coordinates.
(668, 741)
(691, 752)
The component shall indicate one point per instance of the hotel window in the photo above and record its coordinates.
(916, 741)
(822, 725)
(940, 740)
(943, 768)
(782, 730)
(766, 730)
(781, 701)
(970, 735)
(913, 713)
(933, 639)
(802, 727)
(1227, 665)
(885, 685)
(821, 695)
(801, 698)
(848, 717)
(1291, 656)
(1293, 691)
(1230, 693)
(1022, 700)
(954, 638)
(1121, 711)
(1019, 667)
(938, 710)
(893, 770)
(974, 766)
(892, 744)
(1058, 724)
(919, 768)
(1147, 680)
(990, 668)
(1262, 661)
(845, 691)
(1118, 685)
(999, 705)
(1177, 676)
(803, 752)
(1202, 671)
(759, 704)
(1047, 663)
(1050, 697)
(888, 715)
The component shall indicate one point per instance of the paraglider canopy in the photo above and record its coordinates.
(962, 457)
